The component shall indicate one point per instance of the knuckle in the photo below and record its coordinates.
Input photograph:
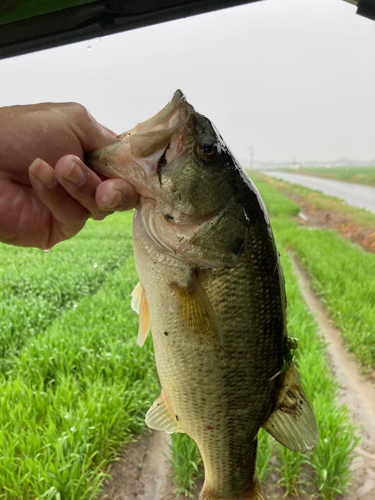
(78, 111)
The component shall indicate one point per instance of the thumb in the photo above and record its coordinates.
(90, 132)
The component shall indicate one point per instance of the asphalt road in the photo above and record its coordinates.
(355, 195)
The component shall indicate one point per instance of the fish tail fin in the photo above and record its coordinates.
(253, 493)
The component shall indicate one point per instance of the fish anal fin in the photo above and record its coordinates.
(292, 422)
(160, 418)
(196, 312)
(139, 305)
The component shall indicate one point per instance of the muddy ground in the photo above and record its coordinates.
(143, 473)
(314, 216)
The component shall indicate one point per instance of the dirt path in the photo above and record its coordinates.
(143, 473)
(356, 392)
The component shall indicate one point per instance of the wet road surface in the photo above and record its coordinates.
(355, 195)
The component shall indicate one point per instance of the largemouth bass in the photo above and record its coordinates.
(212, 290)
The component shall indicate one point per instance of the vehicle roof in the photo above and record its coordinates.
(31, 25)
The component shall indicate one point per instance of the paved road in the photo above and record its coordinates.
(355, 195)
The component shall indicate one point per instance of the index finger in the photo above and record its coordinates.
(80, 182)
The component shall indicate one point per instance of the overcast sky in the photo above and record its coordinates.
(293, 79)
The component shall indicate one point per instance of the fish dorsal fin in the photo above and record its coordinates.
(196, 313)
(292, 423)
(139, 305)
(160, 418)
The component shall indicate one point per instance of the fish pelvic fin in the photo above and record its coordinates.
(253, 493)
(292, 422)
(139, 305)
(161, 418)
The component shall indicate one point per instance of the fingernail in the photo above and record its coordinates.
(74, 174)
(114, 199)
(42, 171)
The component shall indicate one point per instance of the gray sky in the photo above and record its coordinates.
(290, 78)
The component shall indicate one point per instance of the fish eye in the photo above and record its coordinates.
(207, 149)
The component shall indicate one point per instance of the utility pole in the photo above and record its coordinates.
(251, 157)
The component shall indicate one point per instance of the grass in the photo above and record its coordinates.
(290, 470)
(358, 175)
(74, 386)
(36, 287)
(341, 273)
(343, 276)
(331, 458)
(78, 389)
(266, 449)
(186, 463)
(276, 202)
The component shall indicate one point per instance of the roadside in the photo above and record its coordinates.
(344, 224)
(319, 210)
(355, 195)
(355, 175)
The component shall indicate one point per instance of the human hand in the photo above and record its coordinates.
(46, 191)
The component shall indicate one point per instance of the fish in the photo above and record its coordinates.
(212, 292)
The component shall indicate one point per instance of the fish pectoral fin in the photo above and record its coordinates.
(197, 314)
(160, 418)
(136, 297)
(292, 423)
(139, 305)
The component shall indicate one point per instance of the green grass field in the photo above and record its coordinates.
(358, 175)
(331, 458)
(75, 386)
(342, 273)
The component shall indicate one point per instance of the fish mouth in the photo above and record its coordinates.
(163, 120)
(136, 156)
